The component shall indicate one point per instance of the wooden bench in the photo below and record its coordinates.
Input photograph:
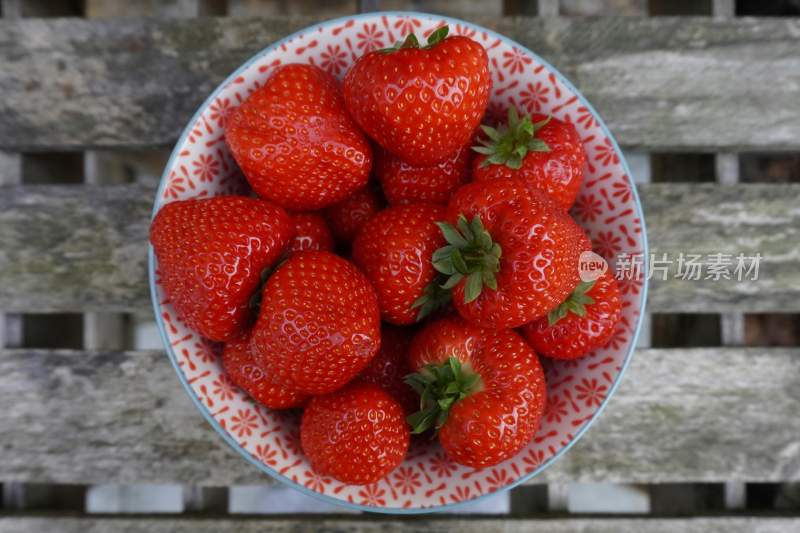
(722, 414)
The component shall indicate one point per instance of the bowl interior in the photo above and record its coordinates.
(607, 208)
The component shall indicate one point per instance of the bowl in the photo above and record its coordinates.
(607, 207)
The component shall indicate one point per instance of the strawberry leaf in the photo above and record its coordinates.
(410, 41)
(473, 287)
(452, 235)
(443, 386)
(470, 253)
(438, 36)
(433, 298)
(511, 142)
(575, 303)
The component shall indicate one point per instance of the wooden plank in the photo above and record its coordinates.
(65, 248)
(708, 219)
(160, 8)
(98, 257)
(548, 8)
(376, 524)
(680, 415)
(465, 9)
(270, 8)
(604, 8)
(661, 83)
(723, 8)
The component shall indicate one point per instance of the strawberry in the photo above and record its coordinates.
(211, 253)
(357, 434)
(319, 323)
(407, 184)
(483, 390)
(389, 368)
(347, 217)
(542, 150)
(420, 103)
(295, 142)
(393, 249)
(512, 253)
(583, 322)
(241, 367)
(311, 232)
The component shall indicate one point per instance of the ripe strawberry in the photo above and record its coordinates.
(389, 368)
(347, 217)
(516, 258)
(407, 184)
(311, 232)
(483, 390)
(542, 150)
(295, 142)
(393, 249)
(242, 368)
(211, 254)
(319, 323)
(583, 322)
(421, 104)
(357, 434)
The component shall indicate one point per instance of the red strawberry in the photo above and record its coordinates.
(394, 249)
(242, 368)
(211, 254)
(483, 390)
(516, 258)
(407, 184)
(421, 104)
(356, 435)
(319, 323)
(311, 232)
(347, 217)
(389, 368)
(295, 141)
(582, 323)
(542, 150)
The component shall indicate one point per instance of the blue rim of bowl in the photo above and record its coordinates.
(224, 434)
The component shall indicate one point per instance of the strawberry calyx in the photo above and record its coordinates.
(575, 303)
(411, 41)
(440, 387)
(510, 143)
(470, 254)
(434, 297)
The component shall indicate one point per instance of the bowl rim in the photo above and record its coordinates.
(205, 412)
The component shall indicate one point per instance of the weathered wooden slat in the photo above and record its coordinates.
(680, 415)
(92, 242)
(661, 83)
(709, 219)
(68, 248)
(373, 524)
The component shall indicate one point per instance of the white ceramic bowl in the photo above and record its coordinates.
(607, 207)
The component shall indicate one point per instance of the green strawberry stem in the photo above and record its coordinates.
(411, 41)
(440, 387)
(575, 303)
(470, 254)
(510, 143)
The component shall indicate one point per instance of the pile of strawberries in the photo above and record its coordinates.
(430, 318)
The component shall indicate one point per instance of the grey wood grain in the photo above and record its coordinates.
(662, 83)
(68, 248)
(680, 415)
(373, 524)
(708, 219)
